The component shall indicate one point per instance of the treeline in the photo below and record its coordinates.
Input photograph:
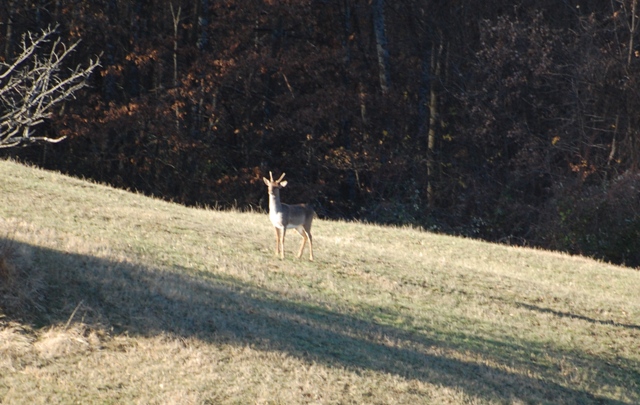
(509, 121)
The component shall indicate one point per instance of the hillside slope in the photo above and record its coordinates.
(113, 297)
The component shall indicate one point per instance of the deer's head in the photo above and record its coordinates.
(274, 184)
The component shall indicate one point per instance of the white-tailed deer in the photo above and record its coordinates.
(284, 216)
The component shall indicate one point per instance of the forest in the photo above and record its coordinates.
(508, 121)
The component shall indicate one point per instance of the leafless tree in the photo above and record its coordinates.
(33, 83)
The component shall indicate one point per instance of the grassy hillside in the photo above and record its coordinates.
(112, 297)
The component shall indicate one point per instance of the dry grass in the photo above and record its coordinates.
(118, 298)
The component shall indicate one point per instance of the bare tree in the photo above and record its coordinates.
(34, 83)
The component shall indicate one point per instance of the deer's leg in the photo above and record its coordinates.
(310, 245)
(306, 236)
(277, 241)
(282, 232)
(302, 233)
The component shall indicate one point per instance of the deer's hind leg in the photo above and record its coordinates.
(305, 236)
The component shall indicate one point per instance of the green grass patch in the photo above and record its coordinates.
(113, 297)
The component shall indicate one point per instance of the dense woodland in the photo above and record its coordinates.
(512, 121)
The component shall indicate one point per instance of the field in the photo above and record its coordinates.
(112, 297)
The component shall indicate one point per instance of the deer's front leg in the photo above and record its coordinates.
(282, 232)
(277, 241)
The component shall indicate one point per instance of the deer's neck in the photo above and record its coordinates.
(274, 202)
(277, 212)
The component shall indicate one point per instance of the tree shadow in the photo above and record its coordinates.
(126, 297)
(569, 315)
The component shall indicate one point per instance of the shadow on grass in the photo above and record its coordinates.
(569, 315)
(130, 298)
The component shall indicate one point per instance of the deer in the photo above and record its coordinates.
(285, 216)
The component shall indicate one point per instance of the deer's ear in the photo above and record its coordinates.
(266, 181)
(283, 183)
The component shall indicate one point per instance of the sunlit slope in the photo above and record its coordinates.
(133, 299)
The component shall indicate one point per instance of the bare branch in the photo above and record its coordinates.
(34, 83)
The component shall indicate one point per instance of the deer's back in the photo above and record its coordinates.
(297, 214)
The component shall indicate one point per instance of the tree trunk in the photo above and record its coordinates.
(203, 25)
(9, 33)
(632, 30)
(381, 45)
(436, 56)
(176, 24)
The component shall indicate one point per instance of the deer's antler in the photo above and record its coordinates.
(277, 181)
